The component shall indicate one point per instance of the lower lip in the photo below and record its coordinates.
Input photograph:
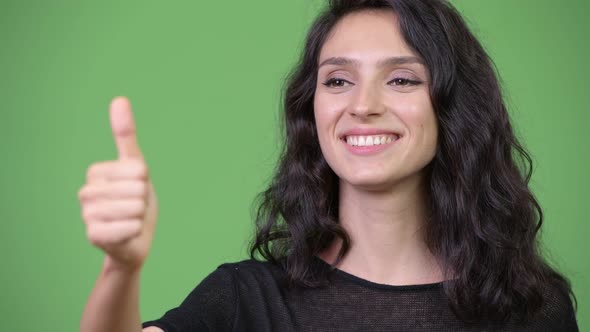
(368, 150)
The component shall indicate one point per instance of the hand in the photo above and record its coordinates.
(118, 201)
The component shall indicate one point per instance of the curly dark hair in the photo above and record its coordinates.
(484, 218)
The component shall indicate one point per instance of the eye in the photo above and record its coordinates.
(335, 83)
(401, 81)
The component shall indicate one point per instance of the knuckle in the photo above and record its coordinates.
(140, 206)
(87, 213)
(135, 230)
(93, 236)
(135, 168)
(141, 170)
(93, 169)
(82, 193)
(143, 188)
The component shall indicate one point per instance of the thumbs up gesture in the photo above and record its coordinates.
(118, 201)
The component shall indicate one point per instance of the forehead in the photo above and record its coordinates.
(367, 35)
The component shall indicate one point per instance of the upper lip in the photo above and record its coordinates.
(369, 131)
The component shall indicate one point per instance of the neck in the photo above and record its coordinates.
(387, 234)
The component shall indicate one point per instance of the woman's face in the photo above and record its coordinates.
(375, 121)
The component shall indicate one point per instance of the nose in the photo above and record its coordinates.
(367, 101)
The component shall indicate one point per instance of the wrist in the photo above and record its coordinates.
(111, 266)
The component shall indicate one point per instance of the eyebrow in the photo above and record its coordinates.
(387, 62)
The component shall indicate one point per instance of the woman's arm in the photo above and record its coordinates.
(119, 208)
(114, 302)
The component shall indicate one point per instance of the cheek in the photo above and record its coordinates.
(327, 110)
(421, 120)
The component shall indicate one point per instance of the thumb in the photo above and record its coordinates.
(123, 128)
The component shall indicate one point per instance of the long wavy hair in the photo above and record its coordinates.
(484, 218)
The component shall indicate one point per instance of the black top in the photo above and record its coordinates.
(248, 296)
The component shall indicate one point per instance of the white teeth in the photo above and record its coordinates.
(370, 140)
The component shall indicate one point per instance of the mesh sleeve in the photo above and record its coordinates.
(209, 306)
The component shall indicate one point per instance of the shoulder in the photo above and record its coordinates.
(250, 271)
(233, 278)
(223, 286)
(250, 266)
(218, 300)
(557, 311)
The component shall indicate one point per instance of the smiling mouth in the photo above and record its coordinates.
(369, 140)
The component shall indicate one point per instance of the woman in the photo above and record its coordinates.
(396, 206)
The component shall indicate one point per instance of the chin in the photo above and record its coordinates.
(368, 181)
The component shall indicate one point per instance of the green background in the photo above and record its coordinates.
(204, 79)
